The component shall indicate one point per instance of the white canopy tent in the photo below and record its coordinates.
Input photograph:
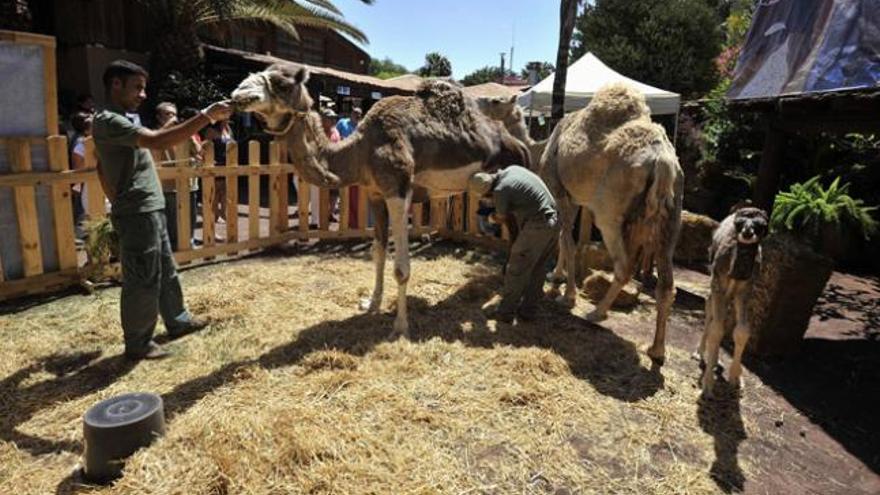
(586, 76)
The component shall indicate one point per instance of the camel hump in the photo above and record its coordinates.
(443, 100)
(615, 104)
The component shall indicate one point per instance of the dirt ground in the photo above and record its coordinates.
(292, 390)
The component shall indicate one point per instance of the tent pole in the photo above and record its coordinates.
(675, 130)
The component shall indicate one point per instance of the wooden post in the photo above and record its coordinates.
(767, 183)
(50, 88)
(62, 208)
(418, 216)
(303, 195)
(344, 209)
(473, 225)
(363, 208)
(274, 189)
(232, 194)
(95, 207)
(458, 213)
(181, 156)
(324, 209)
(283, 189)
(209, 196)
(254, 191)
(19, 156)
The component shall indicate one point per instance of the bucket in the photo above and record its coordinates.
(115, 428)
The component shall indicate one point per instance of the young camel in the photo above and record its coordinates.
(610, 158)
(431, 143)
(506, 111)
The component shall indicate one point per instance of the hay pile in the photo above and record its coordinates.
(292, 390)
(695, 238)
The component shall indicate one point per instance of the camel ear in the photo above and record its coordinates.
(301, 76)
(512, 99)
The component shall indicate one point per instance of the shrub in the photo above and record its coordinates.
(807, 209)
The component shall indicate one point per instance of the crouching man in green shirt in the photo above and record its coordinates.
(522, 197)
(150, 285)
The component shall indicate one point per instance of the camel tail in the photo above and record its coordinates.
(660, 199)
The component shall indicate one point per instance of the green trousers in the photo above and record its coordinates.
(150, 284)
(527, 266)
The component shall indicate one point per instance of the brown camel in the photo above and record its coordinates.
(506, 111)
(610, 158)
(432, 143)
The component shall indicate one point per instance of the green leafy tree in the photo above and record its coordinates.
(386, 68)
(480, 76)
(436, 65)
(543, 69)
(671, 45)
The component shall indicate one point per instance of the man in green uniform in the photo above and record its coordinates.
(522, 197)
(150, 285)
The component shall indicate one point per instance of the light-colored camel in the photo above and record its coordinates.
(431, 142)
(506, 111)
(610, 158)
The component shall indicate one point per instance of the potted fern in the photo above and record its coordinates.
(830, 220)
(102, 251)
(810, 225)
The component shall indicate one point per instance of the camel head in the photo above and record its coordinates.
(276, 95)
(499, 107)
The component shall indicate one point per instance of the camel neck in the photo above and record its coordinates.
(310, 149)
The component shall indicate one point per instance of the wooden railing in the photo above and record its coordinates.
(455, 217)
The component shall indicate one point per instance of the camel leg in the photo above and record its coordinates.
(664, 294)
(380, 246)
(398, 209)
(741, 334)
(622, 273)
(565, 264)
(712, 339)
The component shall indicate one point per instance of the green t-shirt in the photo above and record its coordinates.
(127, 169)
(521, 193)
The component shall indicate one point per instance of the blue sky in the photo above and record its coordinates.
(471, 33)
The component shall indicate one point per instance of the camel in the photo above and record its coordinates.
(610, 158)
(506, 111)
(431, 143)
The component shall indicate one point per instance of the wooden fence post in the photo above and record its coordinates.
(19, 156)
(303, 195)
(344, 209)
(62, 207)
(254, 191)
(232, 194)
(209, 195)
(274, 189)
(181, 155)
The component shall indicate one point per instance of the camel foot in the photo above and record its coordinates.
(369, 305)
(657, 355)
(400, 330)
(734, 378)
(566, 300)
(554, 293)
(596, 316)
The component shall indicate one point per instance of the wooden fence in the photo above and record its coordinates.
(455, 217)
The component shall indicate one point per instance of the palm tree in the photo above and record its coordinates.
(436, 65)
(567, 16)
(178, 44)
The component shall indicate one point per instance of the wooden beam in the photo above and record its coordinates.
(344, 209)
(232, 194)
(274, 188)
(62, 208)
(19, 156)
(284, 179)
(473, 223)
(253, 191)
(39, 284)
(324, 209)
(209, 197)
(303, 196)
(50, 89)
(181, 152)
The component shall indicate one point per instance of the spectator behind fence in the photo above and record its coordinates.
(346, 127)
(85, 103)
(81, 122)
(150, 284)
